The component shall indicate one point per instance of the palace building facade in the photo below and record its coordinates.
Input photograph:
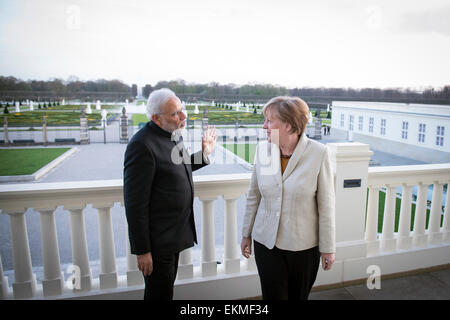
(417, 131)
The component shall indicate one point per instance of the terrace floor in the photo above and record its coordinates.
(430, 284)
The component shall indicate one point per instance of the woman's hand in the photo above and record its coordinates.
(246, 246)
(327, 261)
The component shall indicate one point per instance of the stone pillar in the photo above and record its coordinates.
(185, 266)
(4, 289)
(124, 126)
(388, 241)
(434, 228)
(373, 243)
(446, 224)
(84, 129)
(351, 163)
(24, 285)
(404, 241)
(134, 275)
(108, 274)
(231, 252)
(420, 238)
(53, 282)
(5, 128)
(80, 258)
(209, 263)
(44, 130)
(318, 129)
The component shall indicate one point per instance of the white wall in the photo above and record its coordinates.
(394, 126)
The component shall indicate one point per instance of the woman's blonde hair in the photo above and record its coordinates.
(291, 110)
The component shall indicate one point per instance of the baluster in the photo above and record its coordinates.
(24, 285)
(4, 290)
(446, 224)
(80, 258)
(209, 263)
(134, 275)
(404, 230)
(53, 282)
(419, 236)
(108, 274)
(373, 245)
(231, 251)
(185, 266)
(388, 241)
(434, 227)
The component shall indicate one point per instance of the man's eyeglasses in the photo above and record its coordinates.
(176, 113)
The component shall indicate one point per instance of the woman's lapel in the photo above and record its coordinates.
(296, 156)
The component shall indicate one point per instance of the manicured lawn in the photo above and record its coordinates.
(78, 107)
(26, 161)
(34, 118)
(241, 151)
(224, 117)
(139, 117)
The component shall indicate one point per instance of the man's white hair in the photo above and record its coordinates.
(157, 99)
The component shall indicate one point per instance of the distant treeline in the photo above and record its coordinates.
(62, 87)
(12, 88)
(320, 96)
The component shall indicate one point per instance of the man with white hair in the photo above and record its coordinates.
(159, 192)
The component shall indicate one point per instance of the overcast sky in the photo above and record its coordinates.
(331, 43)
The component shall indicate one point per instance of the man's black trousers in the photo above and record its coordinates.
(159, 285)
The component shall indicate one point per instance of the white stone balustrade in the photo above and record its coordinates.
(3, 283)
(371, 236)
(435, 235)
(446, 224)
(209, 262)
(24, 285)
(108, 275)
(80, 255)
(388, 241)
(404, 240)
(185, 266)
(231, 252)
(407, 177)
(134, 275)
(420, 238)
(53, 282)
(358, 242)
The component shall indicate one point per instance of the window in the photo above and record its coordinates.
(360, 123)
(342, 120)
(440, 136)
(405, 130)
(350, 123)
(422, 128)
(383, 127)
(371, 124)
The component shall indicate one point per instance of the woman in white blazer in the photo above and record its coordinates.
(290, 204)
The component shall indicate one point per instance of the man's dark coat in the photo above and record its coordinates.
(159, 192)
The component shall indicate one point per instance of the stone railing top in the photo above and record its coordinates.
(16, 198)
(410, 175)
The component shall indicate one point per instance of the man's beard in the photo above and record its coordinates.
(171, 128)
